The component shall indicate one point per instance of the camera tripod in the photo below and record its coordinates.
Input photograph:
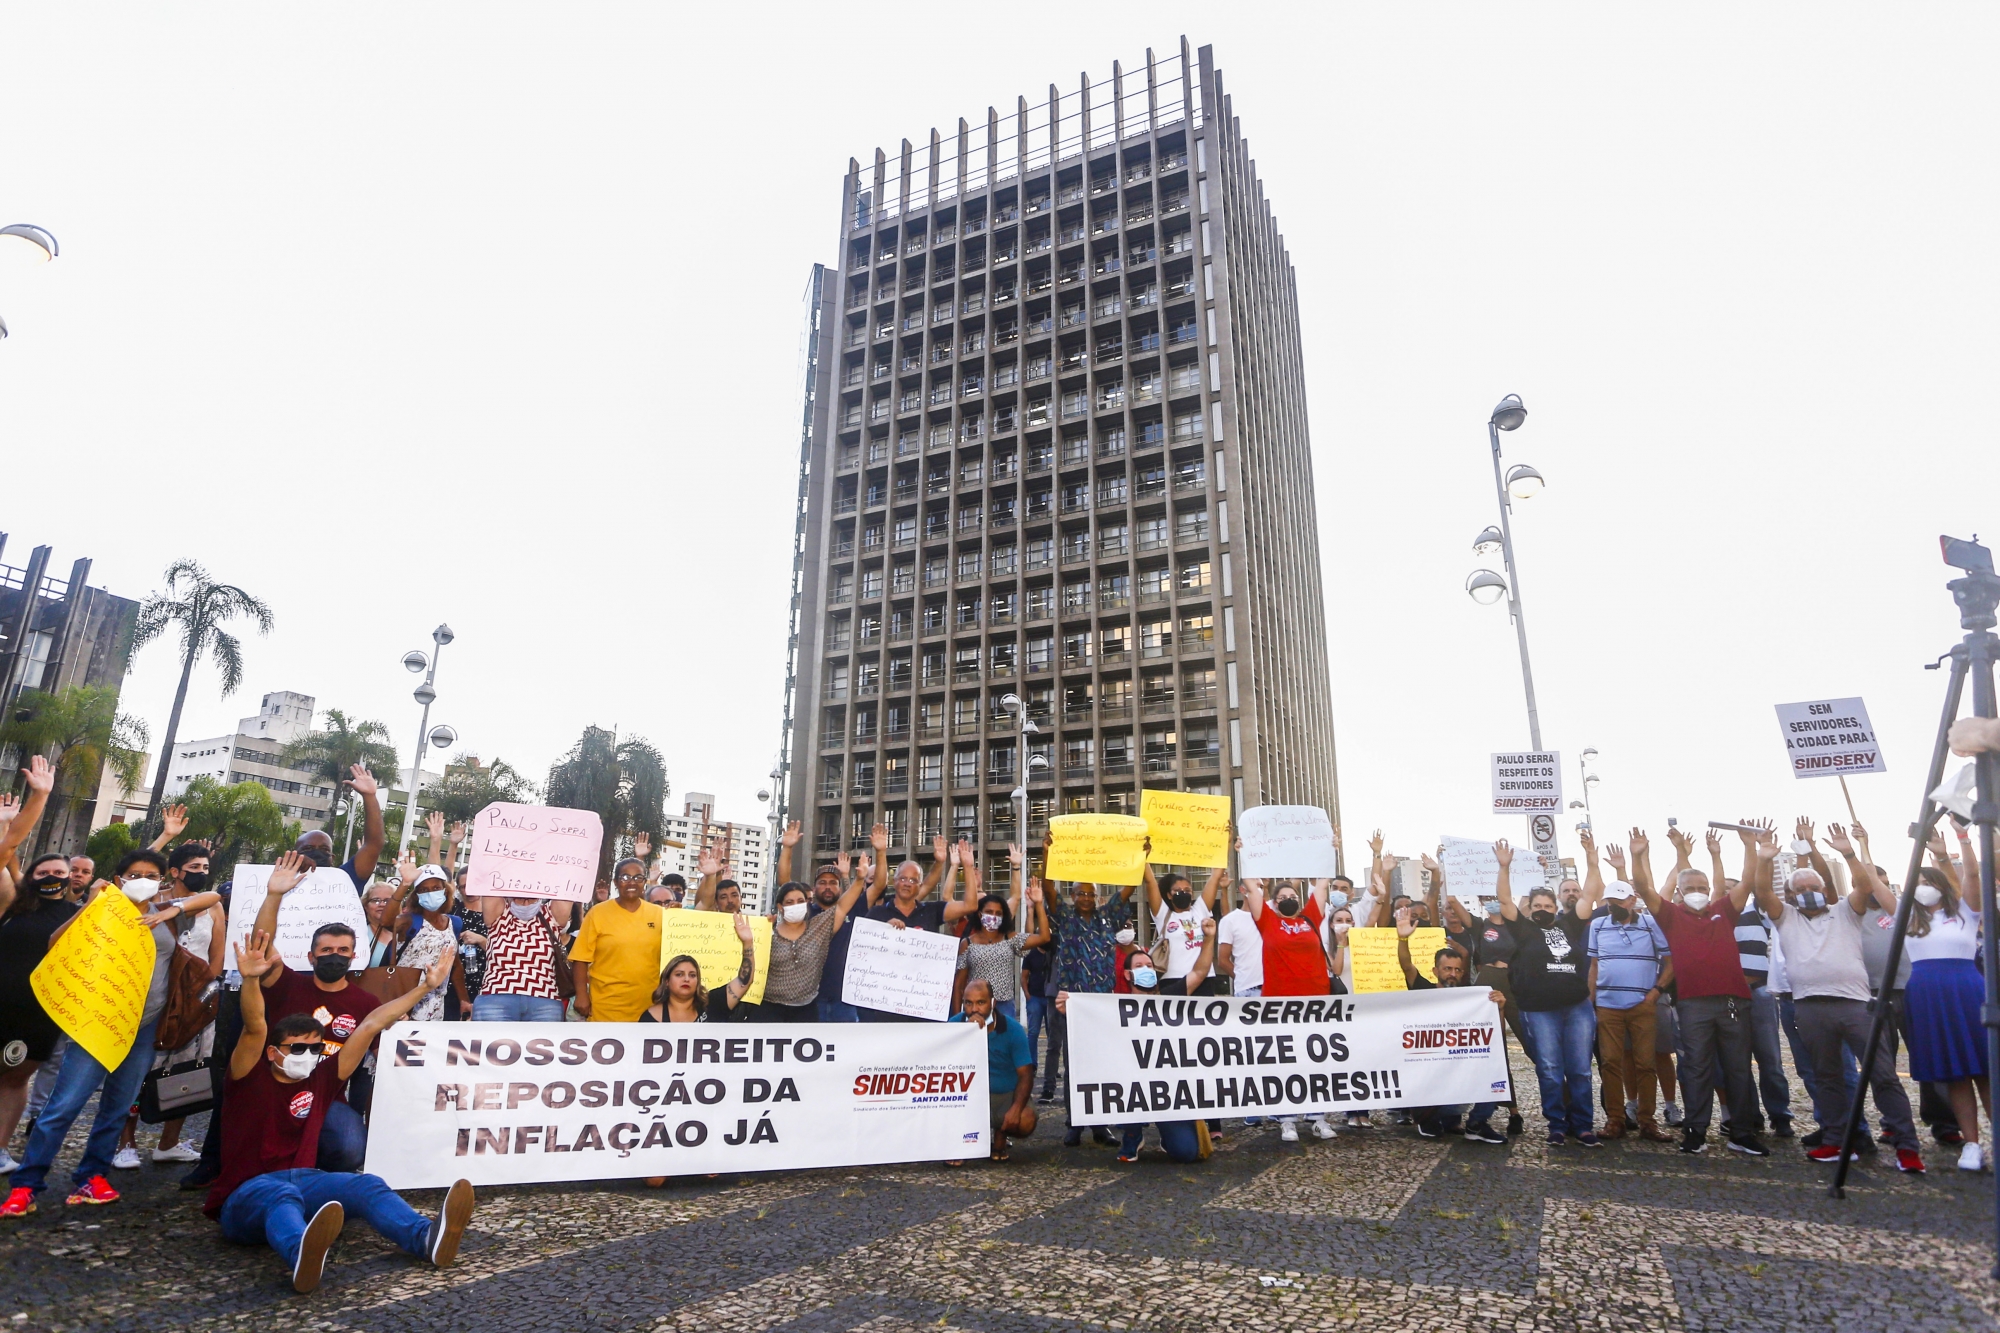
(1978, 598)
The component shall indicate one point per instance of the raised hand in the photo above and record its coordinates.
(1035, 890)
(710, 862)
(1406, 922)
(1682, 840)
(1714, 841)
(642, 845)
(878, 838)
(254, 957)
(1375, 842)
(458, 831)
(1861, 836)
(867, 868)
(434, 822)
(1336, 841)
(1616, 856)
(843, 864)
(285, 875)
(1766, 846)
(40, 776)
(1638, 842)
(1503, 853)
(793, 832)
(1588, 841)
(966, 856)
(1430, 864)
(1014, 853)
(1836, 838)
(174, 819)
(362, 781)
(951, 854)
(938, 846)
(10, 805)
(1936, 847)
(406, 869)
(743, 928)
(1803, 830)
(439, 971)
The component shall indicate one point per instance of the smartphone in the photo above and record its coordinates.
(1672, 822)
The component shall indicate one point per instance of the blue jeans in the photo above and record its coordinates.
(343, 1139)
(837, 1011)
(1563, 1039)
(80, 1077)
(1177, 1137)
(275, 1207)
(1041, 1010)
(1765, 1031)
(516, 1009)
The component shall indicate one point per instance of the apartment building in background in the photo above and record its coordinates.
(1055, 446)
(745, 849)
(254, 752)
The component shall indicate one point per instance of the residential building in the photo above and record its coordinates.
(254, 752)
(1055, 447)
(745, 849)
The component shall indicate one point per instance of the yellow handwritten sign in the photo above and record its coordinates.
(1187, 828)
(711, 938)
(93, 983)
(1376, 967)
(1097, 849)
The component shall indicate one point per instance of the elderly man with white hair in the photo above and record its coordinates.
(1822, 938)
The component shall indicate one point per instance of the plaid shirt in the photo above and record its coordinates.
(1085, 960)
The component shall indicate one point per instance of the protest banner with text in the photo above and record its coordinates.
(711, 939)
(1097, 849)
(1825, 737)
(907, 972)
(515, 1103)
(1377, 966)
(1288, 840)
(1187, 828)
(1471, 870)
(534, 851)
(1147, 1058)
(325, 897)
(93, 981)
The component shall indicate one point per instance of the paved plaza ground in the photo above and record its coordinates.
(1378, 1230)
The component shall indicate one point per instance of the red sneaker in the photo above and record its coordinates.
(95, 1191)
(1907, 1160)
(20, 1202)
(1826, 1152)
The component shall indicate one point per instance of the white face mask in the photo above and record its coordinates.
(525, 911)
(1930, 895)
(1126, 936)
(141, 890)
(1695, 902)
(795, 912)
(990, 921)
(300, 1065)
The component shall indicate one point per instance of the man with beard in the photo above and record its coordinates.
(317, 846)
(1454, 968)
(1629, 969)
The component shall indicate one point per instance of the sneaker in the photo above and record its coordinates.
(1402, 1118)
(1102, 1135)
(1073, 1138)
(1781, 1129)
(1886, 1136)
(1322, 1130)
(450, 1225)
(1631, 1112)
(125, 1159)
(1970, 1158)
(180, 1152)
(8, 1166)
(1948, 1138)
(1128, 1159)
(1358, 1120)
(1252, 1121)
(1826, 1152)
(1673, 1114)
(1484, 1134)
(20, 1202)
(1693, 1143)
(1750, 1146)
(1908, 1162)
(198, 1179)
(321, 1233)
(1428, 1130)
(95, 1191)
(1514, 1124)
(1045, 1100)
(1288, 1131)
(1589, 1140)
(1556, 1138)
(1814, 1139)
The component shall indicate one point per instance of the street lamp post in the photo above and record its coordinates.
(770, 796)
(23, 245)
(425, 694)
(1012, 703)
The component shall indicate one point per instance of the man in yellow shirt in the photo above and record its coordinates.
(616, 957)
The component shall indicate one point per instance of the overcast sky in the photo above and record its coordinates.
(491, 314)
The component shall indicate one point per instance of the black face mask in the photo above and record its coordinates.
(1287, 906)
(330, 967)
(196, 880)
(319, 856)
(51, 887)
(1180, 900)
(1543, 918)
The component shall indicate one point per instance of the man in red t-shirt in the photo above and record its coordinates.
(1294, 959)
(281, 1083)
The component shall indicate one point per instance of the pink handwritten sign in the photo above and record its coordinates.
(534, 851)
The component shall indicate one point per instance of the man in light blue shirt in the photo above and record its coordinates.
(1630, 964)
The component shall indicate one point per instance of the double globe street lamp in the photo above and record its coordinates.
(24, 245)
(441, 736)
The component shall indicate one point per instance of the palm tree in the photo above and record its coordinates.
(331, 753)
(467, 789)
(82, 732)
(236, 820)
(623, 782)
(200, 614)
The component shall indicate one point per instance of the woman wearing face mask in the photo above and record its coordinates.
(800, 938)
(1552, 984)
(1944, 997)
(139, 876)
(522, 955)
(991, 951)
(27, 1034)
(202, 939)
(1185, 921)
(436, 934)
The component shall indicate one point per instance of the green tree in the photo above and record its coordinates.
(239, 821)
(108, 844)
(198, 607)
(331, 753)
(82, 733)
(466, 791)
(623, 782)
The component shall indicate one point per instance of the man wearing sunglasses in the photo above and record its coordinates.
(282, 1079)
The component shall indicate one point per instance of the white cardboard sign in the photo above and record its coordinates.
(907, 972)
(1295, 841)
(325, 897)
(1471, 871)
(1527, 782)
(1824, 737)
(534, 851)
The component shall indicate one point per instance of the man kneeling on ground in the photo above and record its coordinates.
(280, 1086)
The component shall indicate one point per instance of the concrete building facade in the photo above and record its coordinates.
(745, 849)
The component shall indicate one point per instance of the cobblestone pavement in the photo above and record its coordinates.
(1377, 1230)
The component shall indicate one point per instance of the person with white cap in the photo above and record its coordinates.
(435, 935)
(1630, 967)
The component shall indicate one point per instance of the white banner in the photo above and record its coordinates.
(1528, 783)
(1150, 1058)
(907, 972)
(1471, 871)
(1289, 840)
(322, 898)
(1824, 737)
(513, 1103)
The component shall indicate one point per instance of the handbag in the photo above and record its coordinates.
(178, 1090)
(558, 963)
(191, 1005)
(389, 983)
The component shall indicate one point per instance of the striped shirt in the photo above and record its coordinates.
(520, 956)
(1753, 946)
(1627, 957)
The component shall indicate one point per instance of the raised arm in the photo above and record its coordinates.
(967, 861)
(40, 778)
(1434, 865)
(1739, 897)
(1683, 842)
(1593, 885)
(1593, 875)
(256, 961)
(1504, 884)
(285, 875)
(173, 823)
(1868, 886)
(1406, 926)
(1040, 933)
(1968, 863)
(1642, 877)
(740, 983)
(1218, 878)
(370, 851)
(709, 865)
(940, 857)
(786, 842)
(1253, 898)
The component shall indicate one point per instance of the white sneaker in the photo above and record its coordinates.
(7, 1163)
(1288, 1132)
(180, 1152)
(1970, 1158)
(127, 1159)
(1673, 1114)
(1322, 1129)
(1631, 1113)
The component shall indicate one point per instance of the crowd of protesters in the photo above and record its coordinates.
(1644, 1001)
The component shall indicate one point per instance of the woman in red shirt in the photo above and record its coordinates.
(1294, 958)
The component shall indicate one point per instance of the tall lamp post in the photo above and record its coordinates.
(1029, 763)
(442, 737)
(24, 245)
(1520, 482)
(770, 795)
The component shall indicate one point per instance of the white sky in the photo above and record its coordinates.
(490, 314)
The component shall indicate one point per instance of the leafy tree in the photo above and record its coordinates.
(239, 821)
(331, 753)
(82, 732)
(466, 790)
(623, 782)
(108, 844)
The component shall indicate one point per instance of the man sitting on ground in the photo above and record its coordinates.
(1453, 969)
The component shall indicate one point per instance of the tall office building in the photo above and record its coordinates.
(1055, 447)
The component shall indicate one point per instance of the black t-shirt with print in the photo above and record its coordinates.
(1551, 965)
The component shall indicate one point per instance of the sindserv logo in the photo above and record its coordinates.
(1444, 1039)
(922, 1086)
